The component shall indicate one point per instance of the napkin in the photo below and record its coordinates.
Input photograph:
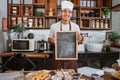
(88, 71)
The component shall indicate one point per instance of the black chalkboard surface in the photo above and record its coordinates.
(66, 45)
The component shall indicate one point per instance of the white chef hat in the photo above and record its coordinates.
(67, 4)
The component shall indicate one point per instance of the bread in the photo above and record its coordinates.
(19, 78)
(117, 74)
(40, 75)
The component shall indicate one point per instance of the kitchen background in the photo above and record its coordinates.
(96, 35)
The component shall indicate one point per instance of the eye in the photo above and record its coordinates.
(70, 11)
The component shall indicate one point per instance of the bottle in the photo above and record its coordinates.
(50, 12)
(93, 23)
(106, 24)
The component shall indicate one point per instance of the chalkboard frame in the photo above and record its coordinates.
(74, 44)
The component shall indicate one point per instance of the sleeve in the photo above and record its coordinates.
(78, 28)
(75, 27)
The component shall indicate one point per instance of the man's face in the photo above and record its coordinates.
(66, 14)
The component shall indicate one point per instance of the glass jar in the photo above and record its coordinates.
(36, 22)
(19, 20)
(40, 23)
(101, 24)
(13, 21)
(26, 11)
(93, 23)
(97, 23)
(25, 22)
(106, 24)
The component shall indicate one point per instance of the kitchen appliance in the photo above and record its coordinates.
(23, 45)
(43, 45)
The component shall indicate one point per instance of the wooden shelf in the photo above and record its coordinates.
(84, 12)
(38, 2)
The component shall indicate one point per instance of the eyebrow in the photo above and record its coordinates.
(67, 10)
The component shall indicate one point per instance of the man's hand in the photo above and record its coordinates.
(79, 37)
(51, 40)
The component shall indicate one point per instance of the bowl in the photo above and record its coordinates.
(94, 47)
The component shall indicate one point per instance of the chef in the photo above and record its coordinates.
(64, 25)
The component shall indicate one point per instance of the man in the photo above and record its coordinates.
(66, 25)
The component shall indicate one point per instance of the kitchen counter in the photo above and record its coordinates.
(48, 52)
(35, 61)
(106, 76)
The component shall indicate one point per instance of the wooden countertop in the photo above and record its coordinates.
(7, 54)
(51, 52)
(29, 55)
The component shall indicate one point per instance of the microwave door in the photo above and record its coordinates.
(21, 45)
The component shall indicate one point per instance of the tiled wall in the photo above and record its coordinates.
(95, 36)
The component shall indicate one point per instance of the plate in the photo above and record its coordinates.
(36, 72)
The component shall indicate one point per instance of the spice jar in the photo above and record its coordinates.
(101, 24)
(19, 20)
(97, 23)
(106, 24)
(26, 11)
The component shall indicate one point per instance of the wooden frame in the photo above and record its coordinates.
(66, 45)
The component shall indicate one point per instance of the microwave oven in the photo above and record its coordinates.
(23, 45)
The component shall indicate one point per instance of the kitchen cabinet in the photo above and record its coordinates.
(97, 59)
(40, 14)
(26, 61)
(17, 61)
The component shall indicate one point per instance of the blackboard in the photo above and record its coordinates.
(66, 45)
